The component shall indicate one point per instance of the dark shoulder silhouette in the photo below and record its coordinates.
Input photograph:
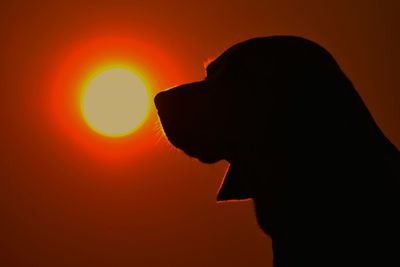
(301, 143)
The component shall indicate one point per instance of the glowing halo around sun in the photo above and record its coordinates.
(75, 65)
(115, 102)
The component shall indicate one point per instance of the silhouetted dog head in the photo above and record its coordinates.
(300, 142)
(208, 119)
(278, 98)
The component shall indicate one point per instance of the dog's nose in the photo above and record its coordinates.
(159, 99)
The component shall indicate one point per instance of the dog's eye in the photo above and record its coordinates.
(212, 67)
(208, 73)
(207, 63)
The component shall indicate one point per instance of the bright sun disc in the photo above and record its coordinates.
(115, 102)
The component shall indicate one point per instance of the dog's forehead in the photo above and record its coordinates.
(224, 60)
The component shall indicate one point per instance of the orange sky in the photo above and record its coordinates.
(63, 203)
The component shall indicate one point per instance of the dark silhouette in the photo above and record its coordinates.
(301, 144)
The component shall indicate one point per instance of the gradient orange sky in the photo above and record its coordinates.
(69, 197)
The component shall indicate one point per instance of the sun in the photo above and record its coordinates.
(115, 102)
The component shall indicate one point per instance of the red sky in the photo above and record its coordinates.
(63, 203)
